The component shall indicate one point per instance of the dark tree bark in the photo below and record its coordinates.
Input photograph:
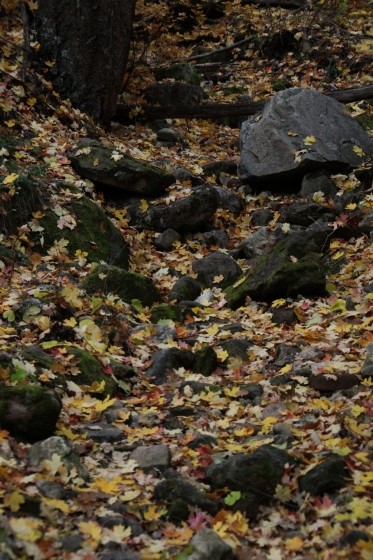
(88, 43)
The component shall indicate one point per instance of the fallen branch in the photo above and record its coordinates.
(221, 110)
(212, 53)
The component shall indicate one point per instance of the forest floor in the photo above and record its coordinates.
(333, 51)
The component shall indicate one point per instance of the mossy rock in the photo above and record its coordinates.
(93, 160)
(176, 313)
(185, 289)
(94, 233)
(10, 256)
(292, 267)
(29, 411)
(91, 373)
(206, 361)
(127, 285)
(236, 348)
(18, 210)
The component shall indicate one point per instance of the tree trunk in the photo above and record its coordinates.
(87, 42)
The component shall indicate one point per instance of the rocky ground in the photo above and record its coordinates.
(153, 405)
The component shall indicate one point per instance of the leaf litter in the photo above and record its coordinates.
(295, 524)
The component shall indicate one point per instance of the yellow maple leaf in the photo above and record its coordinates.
(92, 531)
(286, 368)
(154, 512)
(294, 544)
(130, 495)
(267, 424)
(10, 178)
(309, 140)
(71, 294)
(57, 504)
(14, 501)
(118, 534)
(283, 493)
(143, 205)
(108, 486)
(358, 151)
(26, 528)
(222, 355)
(106, 403)
(213, 330)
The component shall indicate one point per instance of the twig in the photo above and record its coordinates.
(217, 51)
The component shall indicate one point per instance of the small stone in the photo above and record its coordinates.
(102, 432)
(367, 369)
(208, 545)
(185, 289)
(51, 489)
(166, 239)
(215, 266)
(56, 445)
(169, 135)
(152, 456)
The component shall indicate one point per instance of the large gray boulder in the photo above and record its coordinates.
(107, 166)
(299, 131)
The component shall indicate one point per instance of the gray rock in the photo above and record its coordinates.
(51, 489)
(166, 360)
(326, 478)
(56, 445)
(236, 348)
(29, 411)
(166, 239)
(102, 432)
(255, 475)
(305, 214)
(317, 181)
(367, 369)
(186, 214)
(216, 264)
(217, 237)
(261, 217)
(152, 456)
(175, 488)
(93, 160)
(229, 200)
(268, 151)
(366, 224)
(208, 545)
(170, 136)
(185, 289)
(256, 244)
(286, 354)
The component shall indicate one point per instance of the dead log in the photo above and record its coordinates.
(289, 4)
(222, 110)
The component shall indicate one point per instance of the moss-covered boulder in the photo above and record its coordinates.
(24, 197)
(29, 411)
(206, 361)
(127, 285)
(106, 166)
(91, 374)
(254, 475)
(176, 313)
(92, 233)
(292, 267)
